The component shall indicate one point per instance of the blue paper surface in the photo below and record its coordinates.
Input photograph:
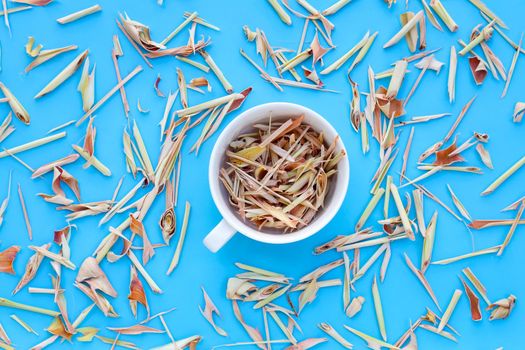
(404, 299)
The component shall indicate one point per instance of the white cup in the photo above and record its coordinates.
(231, 223)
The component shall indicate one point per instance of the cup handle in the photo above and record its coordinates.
(219, 236)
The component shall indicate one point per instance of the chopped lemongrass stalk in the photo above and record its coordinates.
(372, 242)
(519, 112)
(428, 243)
(110, 93)
(402, 212)
(35, 290)
(422, 279)
(123, 95)
(363, 51)
(477, 284)
(437, 6)
(23, 324)
(202, 22)
(32, 144)
(422, 119)
(117, 206)
(340, 61)
(19, 110)
(484, 35)
(338, 5)
(462, 169)
(449, 310)
(142, 150)
(46, 55)
(299, 84)
(486, 11)
(272, 297)
(8, 303)
(79, 14)
(296, 60)
(372, 342)
(151, 283)
(508, 173)
(485, 251)
(431, 16)
(369, 208)
(417, 194)
(281, 12)
(404, 30)
(386, 206)
(65, 74)
(262, 71)
(209, 104)
(14, 10)
(459, 205)
(193, 63)
(180, 243)
(369, 263)
(379, 309)
(24, 212)
(258, 270)
(452, 74)
(325, 327)
(398, 75)
(405, 155)
(216, 70)
(512, 66)
(92, 160)
(180, 27)
(53, 256)
(283, 328)
(512, 228)
(481, 224)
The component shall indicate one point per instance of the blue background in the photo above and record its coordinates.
(404, 299)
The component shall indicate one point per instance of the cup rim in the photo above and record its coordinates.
(223, 206)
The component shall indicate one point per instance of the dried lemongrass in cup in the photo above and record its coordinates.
(278, 174)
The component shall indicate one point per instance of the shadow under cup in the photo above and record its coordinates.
(244, 123)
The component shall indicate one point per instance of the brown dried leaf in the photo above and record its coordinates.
(137, 293)
(209, 310)
(7, 258)
(31, 269)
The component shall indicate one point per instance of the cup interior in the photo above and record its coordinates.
(244, 123)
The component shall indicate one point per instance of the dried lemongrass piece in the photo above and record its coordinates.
(379, 309)
(362, 271)
(487, 12)
(478, 69)
(53, 256)
(135, 330)
(512, 66)
(14, 305)
(442, 13)
(44, 169)
(17, 108)
(363, 51)
(168, 224)
(428, 243)
(502, 308)
(519, 112)
(136, 292)
(485, 251)
(475, 310)
(24, 324)
(502, 178)
(180, 243)
(110, 93)
(216, 70)
(209, 104)
(433, 329)
(512, 228)
(405, 157)
(369, 208)
(371, 341)
(477, 284)
(461, 208)
(180, 27)
(151, 283)
(197, 65)
(208, 311)
(65, 74)
(423, 280)
(31, 269)
(412, 35)
(325, 327)
(452, 74)
(335, 7)
(398, 75)
(484, 155)
(340, 61)
(404, 30)
(449, 310)
(281, 12)
(7, 258)
(481, 224)
(355, 306)
(402, 212)
(24, 212)
(46, 55)
(33, 144)
(79, 14)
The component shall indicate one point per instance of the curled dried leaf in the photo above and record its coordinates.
(502, 308)
(7, 258)
(168, 224)
(209, 310)
(137, 293)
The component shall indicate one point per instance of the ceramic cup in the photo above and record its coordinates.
(231, 223)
